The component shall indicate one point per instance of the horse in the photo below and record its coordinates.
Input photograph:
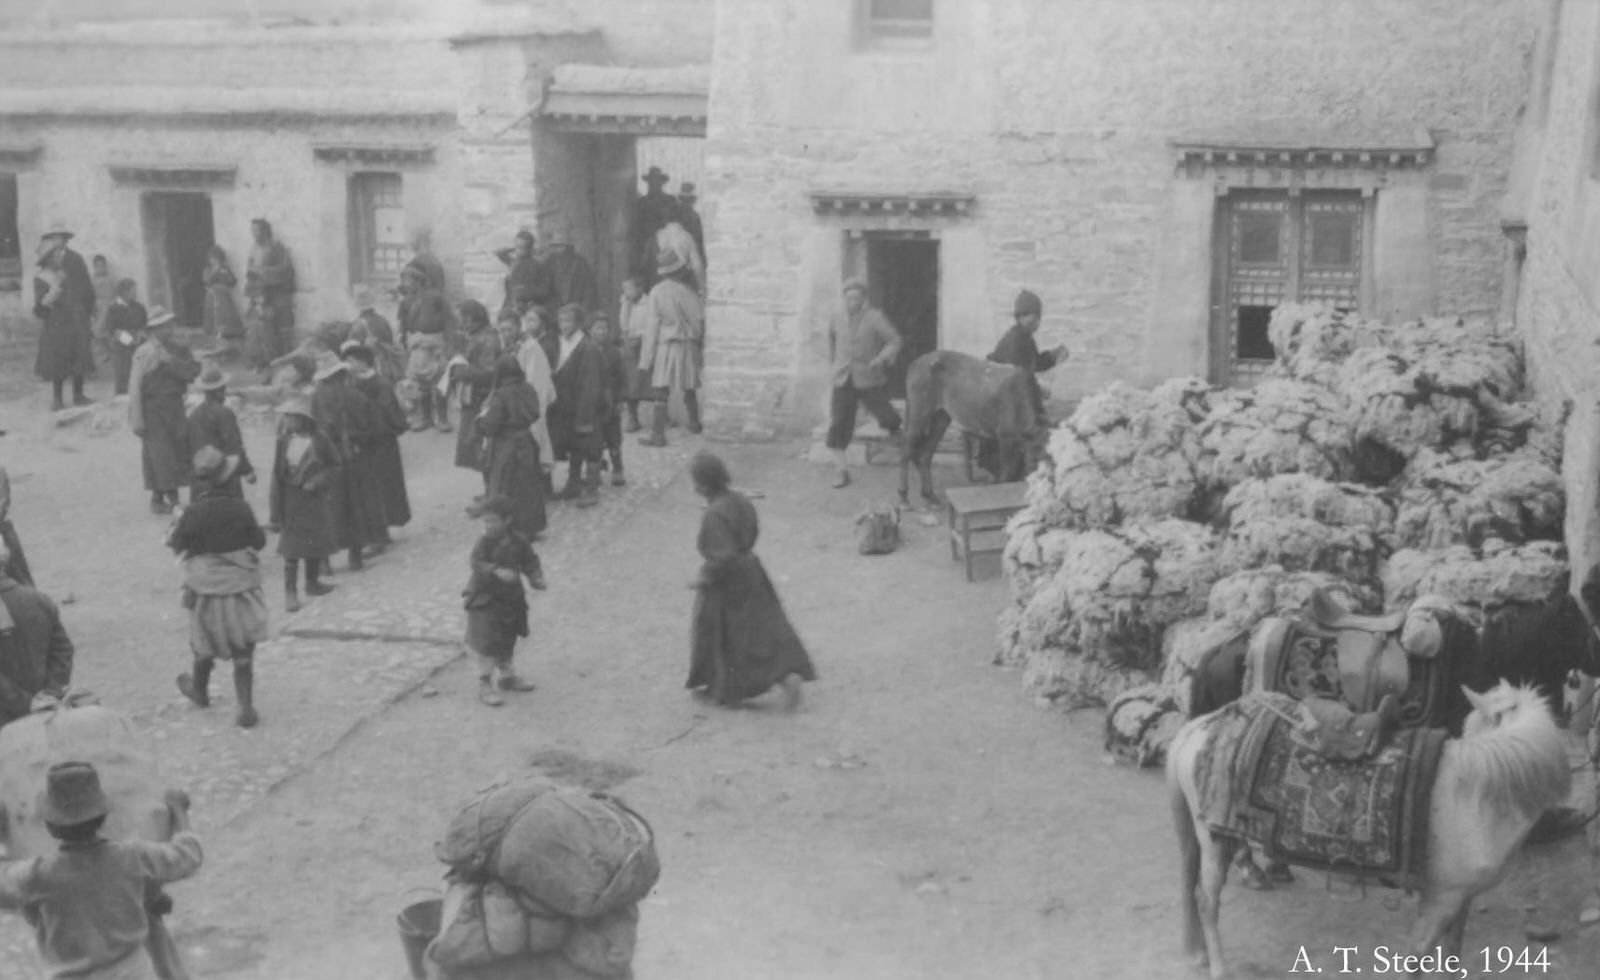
(987, 400)
(1492, 783)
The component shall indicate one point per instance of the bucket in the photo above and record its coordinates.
(419, 923)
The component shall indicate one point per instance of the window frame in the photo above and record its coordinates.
(869, 36)
(361, 228)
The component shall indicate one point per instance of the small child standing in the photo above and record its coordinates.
(634, 312)
(497, 607)
(614, 392)
(124, 324)
(302, 474)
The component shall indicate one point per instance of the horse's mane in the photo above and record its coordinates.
(1520, 764)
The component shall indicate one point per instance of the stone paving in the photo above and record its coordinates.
(381, 635)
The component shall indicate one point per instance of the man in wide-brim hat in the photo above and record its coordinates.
(87, 901)
(340, 412)
(670, 351)
(162, 371)
(651, 212)
(213, 424)
(64, 300)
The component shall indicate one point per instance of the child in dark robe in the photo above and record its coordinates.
(614, 385)
(497, 606)
(303, 468)
(511, 463)
(124, 324)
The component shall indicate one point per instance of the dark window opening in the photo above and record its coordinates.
(903, 282)
(1251, 342)
(178, 235)
(1333, 239)
(1260, 238)
(895, 23)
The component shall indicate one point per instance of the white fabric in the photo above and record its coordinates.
(537, 369)
(444, 379)
(295, 450)
(567, 346)
(675, 238)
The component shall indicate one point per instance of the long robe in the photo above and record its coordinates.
(300, 505)
(35, 653)
(383, 446)
(214, 424)
(536, 367)
(222, 311)
(511, 455)
(528, 284)
(576, 416)
(270, 278)
(741, 642)
(471, 385)
(17, 568)
(572, 279)
(374, 330)
(676, 328)
(65, 336)
(155, 405)
(343, 416)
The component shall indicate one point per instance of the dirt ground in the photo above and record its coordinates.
(918, 818)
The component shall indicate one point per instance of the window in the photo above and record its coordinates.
(377, 229)
(10, 238)
(905, 24)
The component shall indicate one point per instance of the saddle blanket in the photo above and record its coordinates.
(1368, 818)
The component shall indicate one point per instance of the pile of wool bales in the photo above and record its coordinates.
(1383, 461)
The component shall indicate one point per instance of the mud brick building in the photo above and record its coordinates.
(1160, 172)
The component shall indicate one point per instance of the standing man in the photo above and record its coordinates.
(424, 259)
(269, 280)
(35, 652)
(576, 415)
(690, 218)
(675, 238)
(1018, 349)
(162, 370)
(670, 352)
(528, 284)
(64, 299)
(650, 214)
(570, 274)
(425, 320)
(862, 343)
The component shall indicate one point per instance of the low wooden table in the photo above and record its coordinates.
(981, 511)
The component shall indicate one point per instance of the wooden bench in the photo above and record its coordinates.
(981, 512)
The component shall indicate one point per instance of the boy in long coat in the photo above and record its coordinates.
(343, 417)
(471, 381)
(162, 370)
(512, 467)
(497, 608)
(578, 412)
(304, 463)
(64, 299)
(212, 423)
(379, 447)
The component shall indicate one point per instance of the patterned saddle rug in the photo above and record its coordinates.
(1368, 818)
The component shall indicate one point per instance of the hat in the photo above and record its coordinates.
(359, 351)
(328, 365)
(686, 189)
(211, 378)
(668, 262)
(560, 233)
(525, 234)
(854, 282)
(56, 230)
(73, 795)
(1027, 303)
(158, 316)
(210, 464)
(298, 405)
(654, 178)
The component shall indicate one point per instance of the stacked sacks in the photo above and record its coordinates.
(541, 872)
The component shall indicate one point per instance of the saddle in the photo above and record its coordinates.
(1326, 612)
(1335, 732)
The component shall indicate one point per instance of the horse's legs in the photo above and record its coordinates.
(1436, 913)
(968, 447)
(1458, 928)
(1191, 850)
(937, 424)
(1213, 875)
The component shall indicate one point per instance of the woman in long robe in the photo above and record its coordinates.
(222, 312)
(511, 455)
(741, 642)
(381, 447)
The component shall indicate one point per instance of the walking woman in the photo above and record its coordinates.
(511, 456)
(220, 544)
(741, 641)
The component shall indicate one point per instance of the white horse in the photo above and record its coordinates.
(1508, 767)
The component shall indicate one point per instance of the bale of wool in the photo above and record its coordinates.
(1116, 592)
(1482, 581)
(1033, 552)
(1246, 597)
(1280, 426)
(1537, 427)
(1195, 396)
(1312, 340)
(1140, 724)
(1122, 454)
(1305, 524)
(1446, 501)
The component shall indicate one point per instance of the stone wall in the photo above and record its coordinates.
(1058, 118)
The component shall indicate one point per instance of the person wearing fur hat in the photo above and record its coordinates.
(862, 344)
(64, 300)
(304, 464)
(220, 545)
(88, 902)
(161, 373)
(671, 352)
(1018, 349)
(212, 423)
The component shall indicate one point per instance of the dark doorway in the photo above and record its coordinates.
(10, 241)
(178, 234)
(903, 281)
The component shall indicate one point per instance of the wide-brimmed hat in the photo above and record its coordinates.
(211, 378)
(654, 178)
(210, 464)
(686, 189)
(854, 282)
(328, 365)
(72, 795)
(159, 315)
(668, 262)
(298, 405)
(56, 229)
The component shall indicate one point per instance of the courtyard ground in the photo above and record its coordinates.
(918, 818)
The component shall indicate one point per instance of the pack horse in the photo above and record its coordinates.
(986, 400)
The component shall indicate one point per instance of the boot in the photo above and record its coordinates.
(56, 404)
(314, 584)
(424, 420)
(510, 681)
(195, 686)
(487, 693)
(617, 479)
(658, 426)
(244, 682)
(574, 487)
(355, 559)
(631, 424)
(78, 397)
(291, 585)
(590, 493)
(691, 405)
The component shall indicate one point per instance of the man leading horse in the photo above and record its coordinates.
(1018, 349)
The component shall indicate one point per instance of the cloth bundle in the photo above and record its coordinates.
(542, 870)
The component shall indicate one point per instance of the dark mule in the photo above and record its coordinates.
(987, 400)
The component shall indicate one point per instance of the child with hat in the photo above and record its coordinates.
(87, 901)
(212, 423)
(497, 607)
(303, 468)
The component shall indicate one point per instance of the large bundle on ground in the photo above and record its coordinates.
(1446, 501)
(1033, 554)
(1122, 454)
(1482, 582)
(1312, 340)
(1096, 626)
(1305, 524)
(1279, 426)
(79, 732)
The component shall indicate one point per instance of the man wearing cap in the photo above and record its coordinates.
(689, 218)
(64, 299)
(426, 321)
(528, 284)
(212, 423)
(862, 343)
(1018, 349)
(571, 277)
(373, 330)
(87, 901)
(162, 370)
(650, 213)
(269, 281)
(35, 651)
